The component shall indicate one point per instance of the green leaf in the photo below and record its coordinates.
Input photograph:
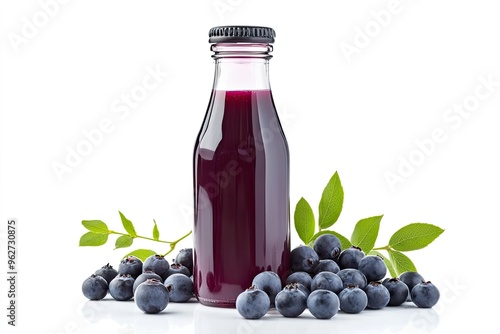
(304, 220)
(331, 202)
(414, 236)
(344, 242)
(124, 241)
(141, 254)
(156, 233)
(127, 224)
(93, 239)
(401, 262)
(97, 226)
(366, 232)
(387, 262)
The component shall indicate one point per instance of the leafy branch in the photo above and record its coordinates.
(99, 232)
(408, 238)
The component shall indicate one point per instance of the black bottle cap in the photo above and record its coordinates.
(243, 34)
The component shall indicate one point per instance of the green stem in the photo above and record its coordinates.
(184, 237)
(388, 247)
(141, 237)
(174, 243)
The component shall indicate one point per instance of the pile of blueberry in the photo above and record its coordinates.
(151, 284)
(326, 279)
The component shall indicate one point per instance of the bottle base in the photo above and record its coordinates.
(229, 303)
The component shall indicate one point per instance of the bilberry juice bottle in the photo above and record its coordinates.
(241, 172)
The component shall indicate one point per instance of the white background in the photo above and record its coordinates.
(358, 115)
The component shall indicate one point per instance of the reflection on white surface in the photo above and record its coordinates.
(125, 318)
(404, 319)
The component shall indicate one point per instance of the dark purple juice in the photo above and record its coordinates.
(241, 178)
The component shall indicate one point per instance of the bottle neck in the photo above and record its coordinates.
(241, 66)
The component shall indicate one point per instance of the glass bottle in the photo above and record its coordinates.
(241, 172)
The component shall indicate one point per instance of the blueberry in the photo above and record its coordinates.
(425, 295)
(304, 258)
(352, 277)
(269, 282)
(353, 300)
(327, 281)
(180, 288)
(300, 277)
(185, 257)
(398, 291)
(122, 287)
(373, 267)
(107, 272)
(303, 289)
(95, 287)
(151, 296)
(327, 265)
(350, 257)
(158, 264)
(323, 304)
(327, 246)
(148, 274)
(411, 278)
(291, 302)
(131, 266)
(253, 303)
(176, 268)
(378, 295)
